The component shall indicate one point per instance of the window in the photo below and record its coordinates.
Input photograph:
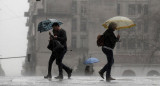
(146, 26)
(29, 57)
(131, 43)
(118, 9)
(74, 7)
(33, 30)
(139, 8)
(83, 42)
(139, 45)
(145, 45)
(83, 8)
(139, 26)
(74, 42)
(74, 24)
(145, 9)
(131, 9)
(83, 24)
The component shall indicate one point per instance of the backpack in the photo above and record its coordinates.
(100, 40)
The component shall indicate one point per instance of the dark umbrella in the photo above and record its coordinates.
(47, 24)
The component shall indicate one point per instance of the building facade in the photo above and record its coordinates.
(83, 21)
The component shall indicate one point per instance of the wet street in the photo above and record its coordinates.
(79, 81)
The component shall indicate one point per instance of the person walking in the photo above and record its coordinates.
(55, 47)
(60, 36)
(108, 45)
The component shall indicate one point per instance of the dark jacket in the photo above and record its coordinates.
(110, 39)
(61, 37)
(55, 46)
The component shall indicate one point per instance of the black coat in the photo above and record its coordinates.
(110, 39)
(55, 46)
(61, 37)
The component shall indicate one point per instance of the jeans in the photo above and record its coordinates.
(59, 57)
(110, 59)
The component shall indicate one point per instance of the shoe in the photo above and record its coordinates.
(101, 74)
(59, 77)
(70, 73)
(109, 78)
(48, 76)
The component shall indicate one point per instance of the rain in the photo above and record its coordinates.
(24, 52)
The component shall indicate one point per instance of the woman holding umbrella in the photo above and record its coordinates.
(109, 43)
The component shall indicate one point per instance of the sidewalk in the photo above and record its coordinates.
(79, 81)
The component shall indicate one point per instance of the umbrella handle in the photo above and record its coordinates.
(119, 39)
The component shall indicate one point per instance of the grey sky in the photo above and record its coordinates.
(13, 32)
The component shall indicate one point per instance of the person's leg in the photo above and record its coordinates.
(109, 66)
(62, 66)
(110, 62)
(59, 63)
(101, 72)
(52, 58)
(66, 68)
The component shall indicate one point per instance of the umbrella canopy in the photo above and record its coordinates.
(47, 24)
(91, 61)
(122, 22)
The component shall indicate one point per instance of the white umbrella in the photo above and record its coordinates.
(122, 22)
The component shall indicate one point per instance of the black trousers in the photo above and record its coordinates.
(110, 59)
(59, 57)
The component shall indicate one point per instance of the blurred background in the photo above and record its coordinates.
(137, 54)
(13, 36)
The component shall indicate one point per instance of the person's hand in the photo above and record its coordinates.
(118, 36)
(50, 33)
(55, 36)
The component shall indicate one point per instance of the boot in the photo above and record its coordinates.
(101, 74)
(70, 73)
(109, 78)
(48, 76)
(59, 77)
